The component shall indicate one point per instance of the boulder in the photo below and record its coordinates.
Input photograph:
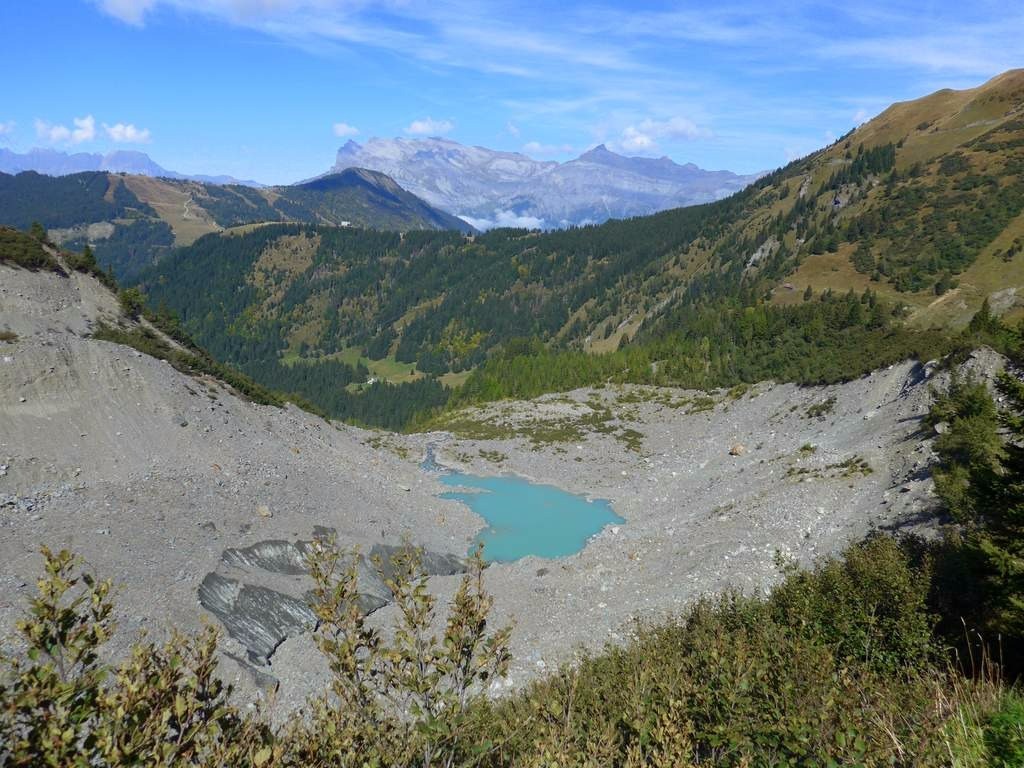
(433, 563)
(255, 592)
(257, 617)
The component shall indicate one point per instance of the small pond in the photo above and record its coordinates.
(525, 518)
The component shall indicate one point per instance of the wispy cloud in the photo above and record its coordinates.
(84, 130)
(126, 133)
(129, 11)
(645, 77)
(542, 150)
(7, 128)
(341, 130)
(644, 137)
(490, 36)
(428, 126)
(961, 54)
(503, 218)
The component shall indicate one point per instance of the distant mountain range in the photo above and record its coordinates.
(483, 187)
(54, 163)
(133, 220)
(488, 188)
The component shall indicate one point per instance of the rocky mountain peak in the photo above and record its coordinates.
(490, 188)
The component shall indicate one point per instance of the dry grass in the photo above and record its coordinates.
(829, 270)
(174, 204)
(987, 275)
(964, 115)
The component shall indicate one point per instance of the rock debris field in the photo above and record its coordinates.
(199, 504)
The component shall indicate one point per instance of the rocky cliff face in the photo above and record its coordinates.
(489, 188)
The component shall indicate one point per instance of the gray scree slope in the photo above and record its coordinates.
(171, 485)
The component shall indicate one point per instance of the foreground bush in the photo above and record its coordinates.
(163, 706)
(838, 666)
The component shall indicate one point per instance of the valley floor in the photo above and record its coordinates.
(150, 475)
(712, 488)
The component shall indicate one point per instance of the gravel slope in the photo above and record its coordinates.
(150, 475)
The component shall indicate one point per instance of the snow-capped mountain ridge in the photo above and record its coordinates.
(493, 188)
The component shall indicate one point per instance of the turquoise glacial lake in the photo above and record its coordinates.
(525, 518)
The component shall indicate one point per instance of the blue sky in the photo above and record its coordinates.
(268, 89)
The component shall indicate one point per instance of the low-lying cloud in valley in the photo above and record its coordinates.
(504, 219)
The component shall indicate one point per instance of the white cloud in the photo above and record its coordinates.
(537, 149)
(126, 133)
(635, 140)
(512, 129)
(644, 136)
(428, 126)
(84, 130)
(52, 134)
(971, 51)
(129, 11)
(503, 218)
(7, 128)
(344, 129)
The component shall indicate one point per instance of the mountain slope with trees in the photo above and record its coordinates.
(132, 222)
(837, 262)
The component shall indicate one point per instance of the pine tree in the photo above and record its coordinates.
(997, 499)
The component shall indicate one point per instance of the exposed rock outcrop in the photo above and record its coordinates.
(261, 593)
(258, 617)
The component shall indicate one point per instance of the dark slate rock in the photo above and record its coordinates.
(261, 618)
(434, 563)
(273, 556)
(257, 617)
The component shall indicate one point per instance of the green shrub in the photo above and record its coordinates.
(870, 606)
(132, 302)
(1004, 734)
(163, 706)
(980, 478)
(85, 262)
(24, 251)
(401, 701)
(834, 668)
